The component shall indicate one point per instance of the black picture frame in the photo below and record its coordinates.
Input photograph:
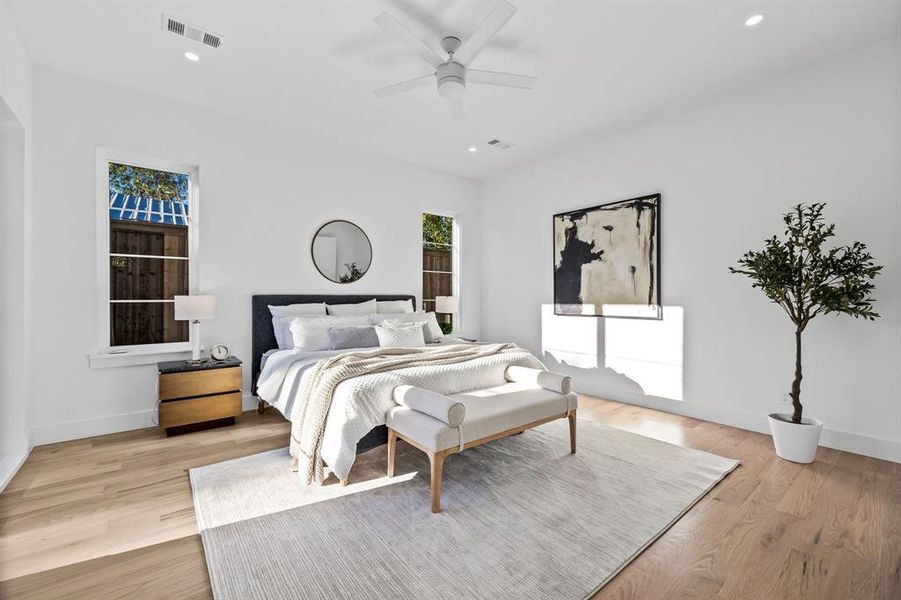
(657, 308)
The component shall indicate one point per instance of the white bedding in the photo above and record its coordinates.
(359, 404)
(280, 375)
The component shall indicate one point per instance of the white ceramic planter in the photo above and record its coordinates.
(796, 442)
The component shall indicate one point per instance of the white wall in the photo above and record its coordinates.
(727, 171)
(263, 195)
(15, 249)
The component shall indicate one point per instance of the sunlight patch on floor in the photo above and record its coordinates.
(285, 490)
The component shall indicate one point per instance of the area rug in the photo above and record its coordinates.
(521, 518)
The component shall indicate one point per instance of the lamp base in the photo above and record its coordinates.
(196, 358)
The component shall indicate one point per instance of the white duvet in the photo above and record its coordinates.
(359, 404)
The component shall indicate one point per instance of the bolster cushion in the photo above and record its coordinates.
(553, 382)
(431, 403)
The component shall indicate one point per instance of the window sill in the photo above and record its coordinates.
(131, 358)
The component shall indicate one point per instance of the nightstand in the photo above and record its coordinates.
(202, 396)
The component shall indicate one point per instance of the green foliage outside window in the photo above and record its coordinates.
(437, 232)
(149, 183)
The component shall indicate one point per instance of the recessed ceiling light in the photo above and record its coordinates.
(192, 56)
(754, 20)
(472, 148)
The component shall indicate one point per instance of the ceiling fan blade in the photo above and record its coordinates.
(456, 108)
(525, 82)
(395, 28)
(496, 19)
(405, 86)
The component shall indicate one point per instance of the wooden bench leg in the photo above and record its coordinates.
(392, 445)
(261, 407)
(437, 461)
(572, 432)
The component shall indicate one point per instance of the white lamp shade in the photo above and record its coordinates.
(447, 304)
(195, 308)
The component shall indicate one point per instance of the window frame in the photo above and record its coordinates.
(456, 263)
(104, 158)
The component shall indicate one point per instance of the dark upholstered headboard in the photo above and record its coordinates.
(263, 338)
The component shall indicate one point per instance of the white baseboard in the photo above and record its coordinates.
(861, 444)
(76, 430)
(885, 449)
(84, 428)
(10, 465)
(857, 443)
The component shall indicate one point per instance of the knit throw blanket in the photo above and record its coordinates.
(318, 389)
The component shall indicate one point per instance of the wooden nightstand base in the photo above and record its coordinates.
(197, 397)
(192, 427)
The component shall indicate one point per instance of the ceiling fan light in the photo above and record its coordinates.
(451, 87)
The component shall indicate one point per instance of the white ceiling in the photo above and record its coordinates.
(311, 67)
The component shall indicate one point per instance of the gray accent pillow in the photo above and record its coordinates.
(342, 338)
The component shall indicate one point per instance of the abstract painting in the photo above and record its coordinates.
(607, 260)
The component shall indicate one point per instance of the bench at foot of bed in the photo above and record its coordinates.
(443, 425)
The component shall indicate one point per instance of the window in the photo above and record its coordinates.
(147, 239)
(439, 259)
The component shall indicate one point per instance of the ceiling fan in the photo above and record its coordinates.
(453, 73)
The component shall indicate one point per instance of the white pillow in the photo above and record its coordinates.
(311, 333)
(406, 336)
(394, 307)
(316, 308)
(282, 316)
(378, 319)
(280, 326)
(352, 310)
(431, 329)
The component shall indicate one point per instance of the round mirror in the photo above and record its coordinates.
(341, 251)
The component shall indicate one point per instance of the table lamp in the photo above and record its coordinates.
(195, 309)
(448, 305)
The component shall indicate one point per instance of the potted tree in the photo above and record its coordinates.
(806, 280)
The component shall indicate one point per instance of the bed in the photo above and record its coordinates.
(263, 339)
(333, 422)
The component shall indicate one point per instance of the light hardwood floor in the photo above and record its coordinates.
(112, 517)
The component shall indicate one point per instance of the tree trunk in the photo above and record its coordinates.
(796, 384)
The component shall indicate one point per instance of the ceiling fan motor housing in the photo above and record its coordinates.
(451, 78)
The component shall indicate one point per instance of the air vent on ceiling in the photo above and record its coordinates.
(500, 144)
(173, 25)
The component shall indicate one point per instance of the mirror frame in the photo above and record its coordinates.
(313, 256)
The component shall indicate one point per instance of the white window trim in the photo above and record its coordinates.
(457, 266)
(104, 355)
(456, 262)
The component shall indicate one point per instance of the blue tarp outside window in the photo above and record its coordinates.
(124, 207)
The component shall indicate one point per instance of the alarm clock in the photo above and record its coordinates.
(219, 352)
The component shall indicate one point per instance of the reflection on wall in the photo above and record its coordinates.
(648, 352)
(638, 356)
(571, 340)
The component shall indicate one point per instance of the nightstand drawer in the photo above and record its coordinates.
(199, 383)
(196, 410)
